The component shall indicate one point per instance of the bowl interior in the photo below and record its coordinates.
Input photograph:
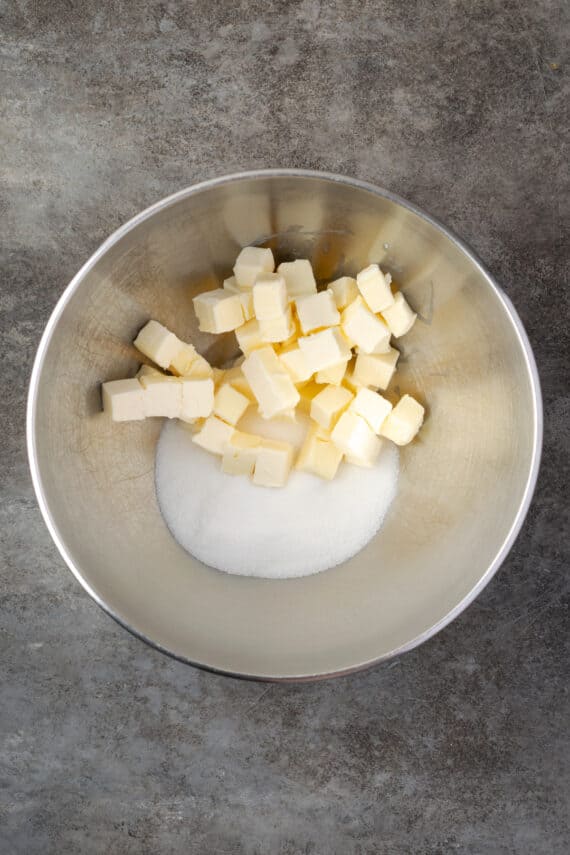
(462, 483)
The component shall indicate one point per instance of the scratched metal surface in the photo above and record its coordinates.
(459, 746)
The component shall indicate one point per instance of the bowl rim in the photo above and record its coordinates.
(167, 201)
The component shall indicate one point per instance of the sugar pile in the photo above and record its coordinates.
(234, 526)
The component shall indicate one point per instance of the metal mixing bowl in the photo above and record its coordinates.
(465, 483)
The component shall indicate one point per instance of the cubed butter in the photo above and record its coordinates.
(183, 360)
(327, 406)
(399, 316)
(158, 343)
(364, 329)
(299, 277)
(200, 369)
(404, 421)
(240, 453)
(123, 400)
(333, 375)
(344, 291)
(375, 288)
(252, 261)
(324, 349)
(249, 337)
(269, 296)
(246, 300)
(270, 383)
(230, 284)
(214, 435)
(197, 398)
(319, 455)
(295, 363)
(375, 369)
(146, 371)
(218, 311)
(355, 438)
(317, 311)
(273, 463)
(162, 396)
(372, 407)
(278, 329)
(307, 392)
(229, 404)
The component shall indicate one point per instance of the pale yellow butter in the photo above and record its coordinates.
(229, 404)
(214, 435)
(372, 407)
(158, 343)
(375, 288)
(363, 329)
(123, 400)
(399, 316)
(299, 277)
(327, 406)
(317, 311)
(355, 438)
(218, 311)
(375, 369)
(404, 421)
(273, 463)
(252, 261)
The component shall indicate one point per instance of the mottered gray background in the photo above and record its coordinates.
(105, 744)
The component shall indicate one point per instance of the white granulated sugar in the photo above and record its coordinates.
(305, 527)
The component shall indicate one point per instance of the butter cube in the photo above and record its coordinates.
(278, 329)
(372, 407)
(229, 404)
(375, 369)
(147, 371)
(181, 363)
(344, 291)
(364, 329)
(158, 343)
(316, 311)
(355, 438)
(123, 400)
(246, 300)
(324, 349)
(307, 393)
(240, 454)
(333, 375)
(214, 435)
(327, 406)
(294, 361)
(319, 455)
(404, 421)
(218, 376)
(200, 369)
(269, 296)
(299, 277)
(249, 337)
(197, 398)
(399, 317)
(162, 395)
(230, 284)
(270, 382)
(218, 311)
(375, 288)
(252, 261)
(234, 376)
(273, 463)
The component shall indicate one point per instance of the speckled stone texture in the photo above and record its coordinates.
(108, 746)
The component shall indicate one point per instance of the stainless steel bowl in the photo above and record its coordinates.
(465, 484)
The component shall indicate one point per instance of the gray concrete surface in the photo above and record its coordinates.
(108, 746)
